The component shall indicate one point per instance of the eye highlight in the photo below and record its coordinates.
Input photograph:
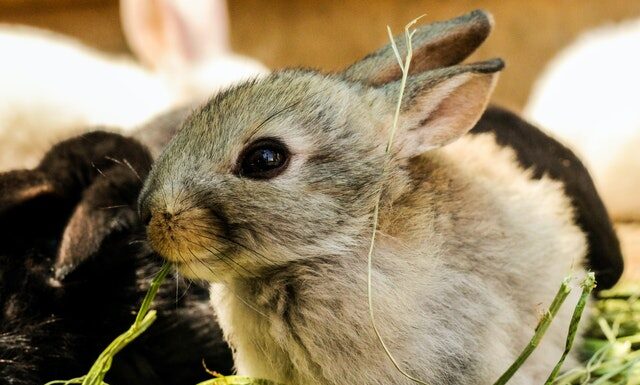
(263, 159)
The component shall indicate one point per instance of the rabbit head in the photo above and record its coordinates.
(73, 272)
(289, 167)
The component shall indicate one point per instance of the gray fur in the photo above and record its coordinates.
(470, 248)
(158, 132)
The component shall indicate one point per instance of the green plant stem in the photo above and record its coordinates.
(102, 365)
(152, 292)
(587, 287)
(144, 319)
(540, 330)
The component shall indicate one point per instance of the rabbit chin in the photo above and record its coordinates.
(214, 268)
(202, 270)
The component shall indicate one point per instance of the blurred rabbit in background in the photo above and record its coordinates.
(53, 86)
(592, 105)
(74, 270)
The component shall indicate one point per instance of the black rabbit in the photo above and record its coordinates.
(73, 271)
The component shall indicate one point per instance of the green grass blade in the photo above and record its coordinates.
(540, 330)
(587, 287)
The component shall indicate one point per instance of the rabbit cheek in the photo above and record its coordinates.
(186, 237)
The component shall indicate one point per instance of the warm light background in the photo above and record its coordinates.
(330, 34)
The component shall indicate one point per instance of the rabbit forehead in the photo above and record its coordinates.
(252, 108)
(304, 109)
(327, 124)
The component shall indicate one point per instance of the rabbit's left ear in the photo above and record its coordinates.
(172, 34)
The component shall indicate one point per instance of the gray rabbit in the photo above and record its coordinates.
(268, 190)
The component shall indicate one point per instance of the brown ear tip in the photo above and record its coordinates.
(490, 66)
(482, 15)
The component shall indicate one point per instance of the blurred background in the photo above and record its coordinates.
(331, 34)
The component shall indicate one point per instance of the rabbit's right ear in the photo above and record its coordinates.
(436, 45)
(172, 34)
(440, 106)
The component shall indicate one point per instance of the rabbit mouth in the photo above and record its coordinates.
(187, 237)
(199, 243)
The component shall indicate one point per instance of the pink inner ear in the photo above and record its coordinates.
(203, 26)
(142, 27)
(444, 113)
(173, 34)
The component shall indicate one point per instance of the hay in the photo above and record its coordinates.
(611, 349)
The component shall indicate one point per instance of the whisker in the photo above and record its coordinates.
(113, 207)
(126, 162)
(173, 183)
(188, 198)
(221, 257)
(271, 117)
(209, 235)
(187, 288)
(163, 195)
(114, 160)
(188, 265)
(97, 169)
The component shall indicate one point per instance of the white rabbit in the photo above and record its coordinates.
(52, 86)
(588, 97)
(186, 42)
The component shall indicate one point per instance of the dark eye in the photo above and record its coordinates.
(263, 159)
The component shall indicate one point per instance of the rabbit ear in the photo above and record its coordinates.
(442, 105)
(111, 168)
(96, 177)
(21, 186)
(171, 34)
(436, 45)
(99, 174)
(107, 207)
